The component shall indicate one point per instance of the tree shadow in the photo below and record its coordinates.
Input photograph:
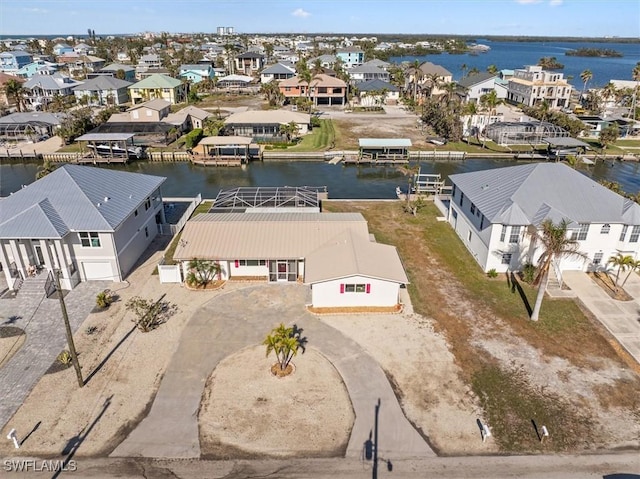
(12, 319)
(76, 441)
(108, 356)
(302, 340)
(514, 285)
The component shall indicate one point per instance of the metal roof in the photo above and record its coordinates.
(263, 235)
(479, 77)
(157, 80)
(565, 141)
(226, 140)
(349, 254)
(377, 85)
(102, 82)
(279, 68)
(384, 142)
(274, 117)
(74, 198)
(105, 137)
(527, 194)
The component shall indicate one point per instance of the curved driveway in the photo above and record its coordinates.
(241, 318)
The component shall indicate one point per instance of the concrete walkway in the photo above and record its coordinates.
(41, 319)
(242, 318)
(621, 318)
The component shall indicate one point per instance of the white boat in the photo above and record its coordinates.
(133, 152)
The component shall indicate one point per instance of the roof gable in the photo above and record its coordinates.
(157, 80)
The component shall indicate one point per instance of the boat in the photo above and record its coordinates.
(479, 47)
(132, 152)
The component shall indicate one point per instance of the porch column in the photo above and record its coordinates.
(4, 259)
(18, 250)
(48, 260)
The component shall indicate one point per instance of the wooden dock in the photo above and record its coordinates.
(216, 161)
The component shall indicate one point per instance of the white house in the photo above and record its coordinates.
(331, 252)
(532, 85)
(474, 86)
(89, 223)
(492, 211)
(377, 92)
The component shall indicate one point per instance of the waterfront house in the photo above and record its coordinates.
(89, 223)
(533, 85)
(332, 253)
(29, 126)
(11, 62)
(324, 90)
(264, 124)
(492, 210)
(103, 90)
(158, 87)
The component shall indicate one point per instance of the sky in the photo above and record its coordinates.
(593, 18)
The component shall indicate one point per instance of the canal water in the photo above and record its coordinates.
(343, 182)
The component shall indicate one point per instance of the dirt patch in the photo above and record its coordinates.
(608, 286)
(349, 130)
(212, 286)
(356, 310)
(11, 340)
(248, 412)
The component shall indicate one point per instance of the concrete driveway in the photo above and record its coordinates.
(241, 318)
(621, 318)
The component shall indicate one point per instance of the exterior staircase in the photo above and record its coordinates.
(33, 286)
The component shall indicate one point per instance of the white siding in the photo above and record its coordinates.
(381, 293)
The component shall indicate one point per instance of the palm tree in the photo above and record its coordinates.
(284, 342)
(473, 71)
(585, 76)
(632, 267)
(463, 67)
(622, 263)
(46, 168)
(635, 74)
(417, 75)
(492, 69)
(556, 245)
(202, 272)
(14, 90)
(289, 130)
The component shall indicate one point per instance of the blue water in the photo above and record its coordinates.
(185, 179)
(512, 55)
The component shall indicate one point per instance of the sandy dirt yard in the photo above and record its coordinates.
(11, 339)
(248, 412)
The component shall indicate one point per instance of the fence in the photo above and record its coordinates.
(169, 273)
(437, 155)
(170, 230)
(442, 203)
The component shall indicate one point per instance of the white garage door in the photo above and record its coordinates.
(98, 271)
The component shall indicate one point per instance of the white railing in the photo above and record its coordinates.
(558, 272)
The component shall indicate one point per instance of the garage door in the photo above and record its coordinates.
(98, 271)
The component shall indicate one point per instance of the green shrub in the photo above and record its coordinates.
(492, 273)
(104, 299)
(315, 122)
(64, 358)
(528, 273)
(192, 138)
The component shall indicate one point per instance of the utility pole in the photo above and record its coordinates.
(374, 474)
(65, 317)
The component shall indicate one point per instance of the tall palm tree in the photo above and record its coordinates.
(492, 69)
(622, 263)
(555, 244)
(585, 76)
(417, 75)
(14, 90)
(635, 74)
(632, 267)
(463, 67)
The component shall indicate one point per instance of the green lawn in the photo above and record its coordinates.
(321, 138)
(168, 255)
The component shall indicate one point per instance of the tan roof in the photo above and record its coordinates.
(349, 255)
(157, 104)
(226, 140)
(318, 80)
(4, 78)
(264, 235)
(180, 116)
(268, 116)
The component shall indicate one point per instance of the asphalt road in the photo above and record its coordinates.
(612, 466)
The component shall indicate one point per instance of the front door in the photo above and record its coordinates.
(282, 270)
(39, 256)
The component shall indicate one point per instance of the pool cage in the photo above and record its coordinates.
(249, 198)
(24, 131)
(523, 133)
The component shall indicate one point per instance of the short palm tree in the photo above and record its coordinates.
(15, 92)
(46, 168)
(555, 244)
(202, 272)
(585, 76)
(632, 267)
(621, 263)
(284, 342)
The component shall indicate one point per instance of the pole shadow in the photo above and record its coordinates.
(35, 428)
(76, 441)
(108, 356)
(535, 428)
(515, 286)
(480, 427)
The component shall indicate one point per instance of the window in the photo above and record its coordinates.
(147, 204)
(506, 258)
(146, 231)
(461, 198)
(623, 234)
(605, 229)
(635, 233)
(597, 258)
(135, 213)
(453, 191)
(581, 234)
(252, 262)
(355, 288)
(473, 209)
(89, 240)
(514, 237)
(503, 233)
(482, 223)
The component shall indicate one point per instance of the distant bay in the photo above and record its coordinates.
(512, 55)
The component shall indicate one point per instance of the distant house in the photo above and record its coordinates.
(11, 62)
(474, 86)
(332, 253)
(128, 72)
(148, 62)
(80, 65)
(61, 49)
(83, 49)
(158, 87)
(326, 61)
(367, 72)
(377, 92)
(41, 67)
(492, 210)
(88, 223)
(277, 72)
(103, 90)
(428, 79)
(235, 82)
(42, 89)
(533, 85)
(265, 123)
(350, 57)
(196, 73)
(324, 90)
(249, 63)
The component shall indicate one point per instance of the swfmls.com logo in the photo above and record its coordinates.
(32, 465)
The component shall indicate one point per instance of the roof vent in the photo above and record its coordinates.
(106, 198)
(99, 205)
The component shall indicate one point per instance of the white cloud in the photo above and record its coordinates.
(527, 2)
(555, 3)
(299, 12)
(35, 10)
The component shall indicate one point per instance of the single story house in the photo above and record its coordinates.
(492, 211)
(265, 123)
(103, 90)
(235, 82)
(331, 252)
(29, 125)
(195, 73)
(89, 223)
